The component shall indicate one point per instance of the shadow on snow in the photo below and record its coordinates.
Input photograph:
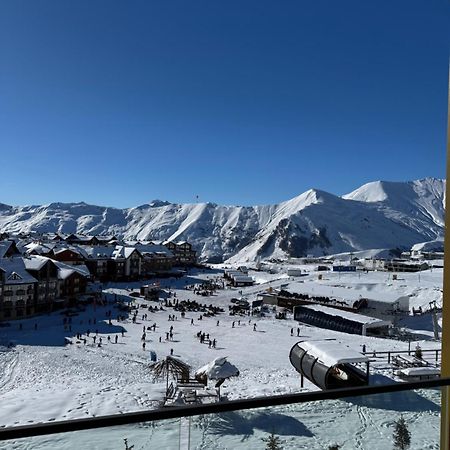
(234, 423)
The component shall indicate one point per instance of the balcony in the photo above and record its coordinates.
(352, 418)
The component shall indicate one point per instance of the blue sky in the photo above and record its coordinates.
(239, 102)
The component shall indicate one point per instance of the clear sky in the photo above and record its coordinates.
(239, 102)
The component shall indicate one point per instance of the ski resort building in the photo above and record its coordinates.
(338, 320)
(401, 265)
(17, 289)
(45, 271)
(183, 252)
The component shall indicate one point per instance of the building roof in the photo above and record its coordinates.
(66, 270)
(342, 292)
(35, 262)
(218, 369)
(15, 271)
(100, 252)
(38, 248)
(5, 247)
(153, 248)
(332, 352)
(121, 251)
(365, 320)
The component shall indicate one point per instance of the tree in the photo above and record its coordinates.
(334, 447)
(273, 442)
(418, 352)
(402, 436)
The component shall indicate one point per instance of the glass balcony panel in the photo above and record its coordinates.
(152, 435)
(365, 422)
(362, 422)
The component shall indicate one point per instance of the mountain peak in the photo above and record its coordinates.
(375, 191)
(158, 203)
(381, 191)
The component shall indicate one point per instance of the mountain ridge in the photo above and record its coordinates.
(379, 214)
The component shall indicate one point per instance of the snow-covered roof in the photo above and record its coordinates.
(35, 262)
(153, 248)
(332, 352)
(419, 371)
(218, 369)
(365, 320)
(5, 246)
(66, 270)
(100, 251)
(38, 248)
(347, 291)
(15, 271)
(121, 251)
(62, 248)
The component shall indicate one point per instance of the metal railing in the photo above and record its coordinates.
(41, 429)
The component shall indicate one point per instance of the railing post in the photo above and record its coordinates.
(445, 355)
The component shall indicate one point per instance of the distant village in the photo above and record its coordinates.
(51, 271)
(42, 273)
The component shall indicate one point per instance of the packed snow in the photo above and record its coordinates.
(43, 378)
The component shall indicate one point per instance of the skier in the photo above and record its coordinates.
(115, 339)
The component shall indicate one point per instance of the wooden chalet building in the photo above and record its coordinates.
(72, 282)
(45, 271)
(67, 255)
(17, 290)
(156, 259)
(97, 261)
(183, 253)
(126, 263)
(117, 263)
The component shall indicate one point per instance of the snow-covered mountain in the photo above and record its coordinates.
(377, 215)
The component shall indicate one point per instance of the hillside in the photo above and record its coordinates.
(377, 215)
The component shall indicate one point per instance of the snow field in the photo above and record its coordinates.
(43, 380)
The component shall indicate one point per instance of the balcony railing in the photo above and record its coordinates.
(363, 417)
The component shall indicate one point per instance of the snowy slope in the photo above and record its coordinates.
(377, 215)
(415, 203)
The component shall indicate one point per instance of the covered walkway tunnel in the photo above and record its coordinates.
(330, 364)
